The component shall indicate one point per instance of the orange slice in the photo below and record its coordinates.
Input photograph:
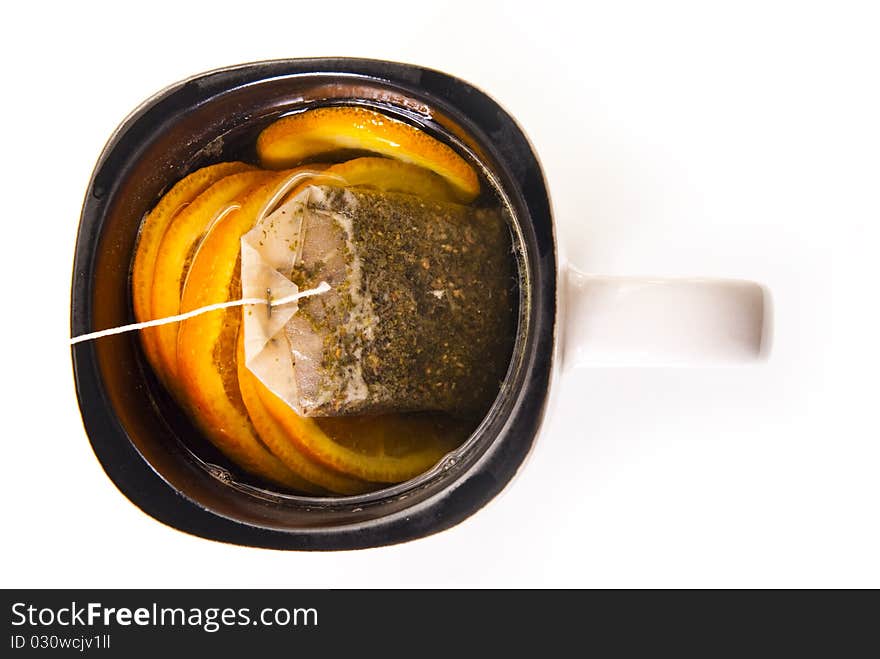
(389, 175)
(176, 252)
(296, 138)
(385, 449)
(150, 237)
(206, 345)
(382, 174)
(274, 436)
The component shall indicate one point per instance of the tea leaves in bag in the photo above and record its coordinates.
(419, 315)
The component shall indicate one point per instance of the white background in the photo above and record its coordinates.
(726, 139)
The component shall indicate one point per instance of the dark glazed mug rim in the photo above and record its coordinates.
(141, 482)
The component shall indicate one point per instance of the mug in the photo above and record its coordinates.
(159, 461)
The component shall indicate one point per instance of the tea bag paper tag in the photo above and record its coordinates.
(267, 252)
(263, 280)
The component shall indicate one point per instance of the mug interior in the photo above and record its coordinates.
(213, 118)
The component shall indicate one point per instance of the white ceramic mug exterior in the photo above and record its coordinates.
(650, 321)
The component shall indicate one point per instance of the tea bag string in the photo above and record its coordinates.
(269, 301)
(283, 188)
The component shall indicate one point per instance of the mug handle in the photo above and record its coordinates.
(651, 321)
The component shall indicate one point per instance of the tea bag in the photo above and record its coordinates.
(419, 312)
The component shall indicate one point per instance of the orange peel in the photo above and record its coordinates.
(384, 449)
(150, 237)
(278, 441)
(387, 175)
(314, 133)
(177, 249)
(206, 347)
